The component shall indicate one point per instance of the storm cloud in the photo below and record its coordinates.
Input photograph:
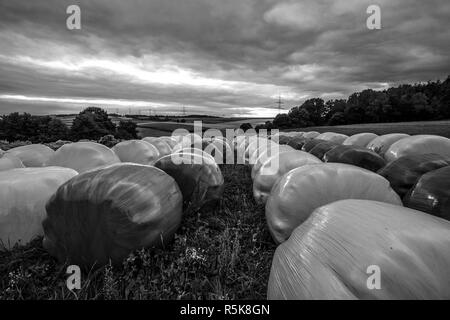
(221, 57)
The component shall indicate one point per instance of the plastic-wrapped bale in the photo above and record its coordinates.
(23, 195)
(255, 144)
(431, 194)
(103, 215)
(275, 167)
(295, 134)
(307, 188)
(322, 148)
(161, 145)
(224, 147)
(298, 143)
(381, 144)
(311, 135)
(199, 178)
(83, 156)
(283, 139)
(274, 136)
(199, 152)
(333, 137)
(360, 139)
(8, 162)
(241, 143)
(404, 172)
(33, 155)
(263, 148)
(210, 148)
(172, 142)
(341, 250)
(241, 139)
(417, 145)
(268, 153)
(136, 151)
(310, 144)
(190, 139)
(356, 156)
(58, 144)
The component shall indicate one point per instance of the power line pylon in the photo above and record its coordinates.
(280, 103)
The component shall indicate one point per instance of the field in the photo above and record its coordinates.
(221, 254)
(156, 129)
(441, 128)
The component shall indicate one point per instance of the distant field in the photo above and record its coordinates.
(441, 128)
(158, 128)
(68, 120)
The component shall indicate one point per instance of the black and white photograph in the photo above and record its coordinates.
(224, 154)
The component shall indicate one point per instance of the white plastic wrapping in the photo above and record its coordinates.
(340, 251)
(255, 143)
(360, 139)
(332, 137)
(421, 144)
(83, 156)
(23, 195)
(8, 162)
(265, 155)
(103, 215)
(275, 167)
(381, 144)
(137, 151)
(33, 155)
(161, 144)
(262, 148)
(172, 142)
(301, 191)
(311, 135)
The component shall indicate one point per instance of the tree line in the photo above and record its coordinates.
(417, 102)
(92, 124)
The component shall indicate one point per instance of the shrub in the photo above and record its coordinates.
(246, 126)
(92, 123)
(127, 130)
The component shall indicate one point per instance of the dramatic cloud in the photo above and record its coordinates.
(232, 57)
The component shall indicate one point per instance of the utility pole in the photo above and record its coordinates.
(280, 103)
(184, 111)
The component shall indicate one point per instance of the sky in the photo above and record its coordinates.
(215, 57)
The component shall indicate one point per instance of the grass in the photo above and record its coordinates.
(225, 253)
(441, 128)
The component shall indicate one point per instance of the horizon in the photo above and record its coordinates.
(225, 59)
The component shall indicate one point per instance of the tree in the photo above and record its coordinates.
(337, 119)
(92, 123)
(127, 130)
(316, 109)
(57, 130)
(300, 117)
(282, 121)
(332, 107)
(246, 126)
(421, 106)
(18, 127)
